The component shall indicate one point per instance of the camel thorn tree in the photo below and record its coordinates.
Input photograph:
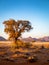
(15, 28)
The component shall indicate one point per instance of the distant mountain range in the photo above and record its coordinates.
(29, 39)
(46, 39)
(2, 39)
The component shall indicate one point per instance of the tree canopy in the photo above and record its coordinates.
(15, 28)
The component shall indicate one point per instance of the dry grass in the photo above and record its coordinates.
(39, 44)
(10, 54)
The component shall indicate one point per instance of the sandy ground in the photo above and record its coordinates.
(14, 56)
(12, 63)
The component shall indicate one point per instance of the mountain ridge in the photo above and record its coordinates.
(30, 39)
(2, 38)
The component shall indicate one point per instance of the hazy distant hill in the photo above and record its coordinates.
(29, 39)
(2, 39)
(44, 39)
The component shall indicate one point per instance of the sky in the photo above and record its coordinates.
(36, 11)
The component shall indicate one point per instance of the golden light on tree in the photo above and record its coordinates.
(15, 28)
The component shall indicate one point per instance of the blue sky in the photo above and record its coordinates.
(36, 11)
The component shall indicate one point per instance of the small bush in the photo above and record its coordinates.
(27, 45)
